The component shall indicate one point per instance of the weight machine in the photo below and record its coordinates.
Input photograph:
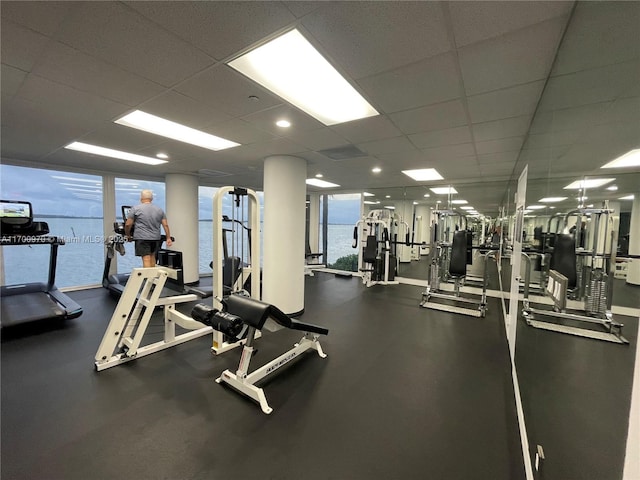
(122, 341)
(448, 260)
(377, 259)
(582, 268)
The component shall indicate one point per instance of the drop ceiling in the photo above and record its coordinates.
(476, 90)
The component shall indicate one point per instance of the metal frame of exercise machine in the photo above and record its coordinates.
(122, 340)
(441, 253)
(255, 314)
(594, 280)
(250, 267)
(374, 236)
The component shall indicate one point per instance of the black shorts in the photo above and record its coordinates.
(146, 247)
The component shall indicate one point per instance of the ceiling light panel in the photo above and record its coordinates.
(293, 69)
(443, 190)
(108, 152)
(552, 199)
(176, 131)
(629, 159)
(423, 174)
(459, 202)
(316, 182)
(589, 183)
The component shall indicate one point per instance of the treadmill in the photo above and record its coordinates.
(31, 302)
(116, 283)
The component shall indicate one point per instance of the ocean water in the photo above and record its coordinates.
(81, 259)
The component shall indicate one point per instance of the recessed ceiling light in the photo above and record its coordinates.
(176, 131)
(589, 183)
(387, 196)
(467, 207)
(367, 194)
(283, 123)
(459, 202)
(415, 203)
(319, 175)
(320, 183)
(443, 190)
(108, 152)
(628, 197)
(390, 207)
(292, 68)
(426, 195)
(376, 169)
(535, 207)
(552, 208)
(369, 202)
(629, 159)
(552, 199)
(161, 155)
(612, 188)
(423, 174)
(439, 201)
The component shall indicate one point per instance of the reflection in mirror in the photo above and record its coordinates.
(578, 226)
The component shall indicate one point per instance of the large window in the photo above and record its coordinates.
(343, 213)
(71, 204)
(128, 194)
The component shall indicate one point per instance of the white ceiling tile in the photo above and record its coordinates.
(65, 102)
(239, 131)
(449, 152)
(590, 86)
(438, 138)
(509, 102)
(66, 65)
(508, 127)
(111, 32)
(475, 21)
(12, 79)
(367, 129)
(428, 81)
(600, 33)
(553, 139)
(432, 117)
(218, 28)
(519, 57)
(622, 110)
(266, 120)
(499, 157)
(44, 17)
(501, 145)
(21, 48)
(224, 88)
(182, 109)
(576, 118)
(380, 35)
(386, 146)
(317, 139)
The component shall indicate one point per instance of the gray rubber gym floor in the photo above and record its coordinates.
(404, 393)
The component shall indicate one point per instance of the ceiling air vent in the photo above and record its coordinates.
(205, 172)
(343, 153)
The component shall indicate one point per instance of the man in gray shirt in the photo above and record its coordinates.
(147, 219)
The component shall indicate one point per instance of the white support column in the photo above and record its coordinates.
(182, 215)
(633, 267)
(109, 215)
(283, 238)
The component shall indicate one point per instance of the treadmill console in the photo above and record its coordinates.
(16, 216)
